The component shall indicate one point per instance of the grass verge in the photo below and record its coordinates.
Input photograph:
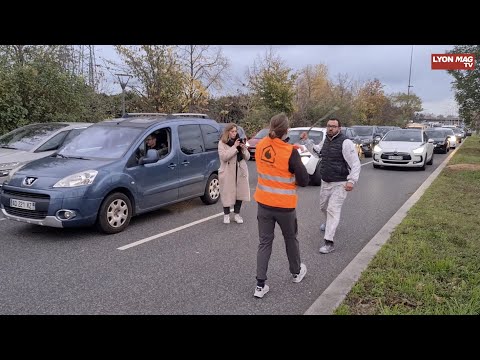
(431, 263)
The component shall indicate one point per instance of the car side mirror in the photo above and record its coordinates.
(151, 157)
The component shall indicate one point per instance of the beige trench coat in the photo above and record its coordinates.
(231, 190)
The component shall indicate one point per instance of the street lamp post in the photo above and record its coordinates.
(410, 73)
(123, 79)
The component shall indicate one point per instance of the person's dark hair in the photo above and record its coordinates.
(278, 126)
(335, 119)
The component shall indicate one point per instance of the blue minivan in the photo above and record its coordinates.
(106, 174)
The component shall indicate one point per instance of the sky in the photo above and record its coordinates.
(388, 63)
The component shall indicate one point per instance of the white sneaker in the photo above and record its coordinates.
(238, 219)
(226, 219)
(327, 248)
(298, 277)
(259, 291)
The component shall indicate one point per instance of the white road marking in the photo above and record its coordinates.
(139, 242)
(142, 241)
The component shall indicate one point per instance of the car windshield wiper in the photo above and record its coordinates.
(78, 157)
(62, 156)
(8, 147)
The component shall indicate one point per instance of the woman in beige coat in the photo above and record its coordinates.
(233, 173)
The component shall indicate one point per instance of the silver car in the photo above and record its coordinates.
(405, 148)
(34, 141)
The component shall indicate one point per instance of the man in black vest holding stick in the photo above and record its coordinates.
(340, 169)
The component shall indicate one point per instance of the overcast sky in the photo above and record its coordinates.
(388, 63)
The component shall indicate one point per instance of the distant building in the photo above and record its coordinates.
(440, 121)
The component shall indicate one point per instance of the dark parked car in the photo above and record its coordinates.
(352, 135)
(369, 136)
(441, 139)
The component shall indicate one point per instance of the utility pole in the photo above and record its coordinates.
(123, 79)
(410, 73)
(409, 86)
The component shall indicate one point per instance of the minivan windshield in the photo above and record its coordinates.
(107, 142)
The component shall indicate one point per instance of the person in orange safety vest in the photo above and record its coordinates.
(280, 170)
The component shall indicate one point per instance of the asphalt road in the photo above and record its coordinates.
(164, 264)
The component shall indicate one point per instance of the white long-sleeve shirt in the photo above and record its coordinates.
(349, 154)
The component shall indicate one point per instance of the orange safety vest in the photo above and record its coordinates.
(276, 184)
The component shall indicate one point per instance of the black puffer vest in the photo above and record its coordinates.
(333, 165)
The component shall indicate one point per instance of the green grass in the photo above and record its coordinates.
(431, 263)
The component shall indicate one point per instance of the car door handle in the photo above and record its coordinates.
(172, 166)
(185, 163)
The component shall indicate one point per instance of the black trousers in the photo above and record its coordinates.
(236, 208)
(267, 218)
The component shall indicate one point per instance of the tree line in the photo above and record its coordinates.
(38, 84)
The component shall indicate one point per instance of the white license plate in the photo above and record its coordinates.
(22, 204)
(252, 150)
(395, 157)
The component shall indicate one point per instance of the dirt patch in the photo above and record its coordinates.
(470, 167)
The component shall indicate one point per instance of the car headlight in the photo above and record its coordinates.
(78, 179)
(377, 148)
(419, 151)
(5, 168)
(11, 172)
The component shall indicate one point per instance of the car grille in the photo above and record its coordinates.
(405, 156)
(25, 213)
(26, 195)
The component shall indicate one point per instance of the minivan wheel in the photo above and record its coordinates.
(115, 213)
(212, 190)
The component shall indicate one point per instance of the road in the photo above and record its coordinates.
(177, 260)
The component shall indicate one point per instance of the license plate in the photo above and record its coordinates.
(21, 204)
(252, 150)
(395, 157)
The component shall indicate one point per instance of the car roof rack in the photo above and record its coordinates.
(204, 116)
(191, 114)
(146, 114)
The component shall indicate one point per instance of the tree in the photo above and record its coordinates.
(314, 94)
(206, 68)
(370, 102)
(272, 83)
(36, 87)
(159, 73)
(466, 85)
(407, 105)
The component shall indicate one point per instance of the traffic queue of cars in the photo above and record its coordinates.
(103, 174)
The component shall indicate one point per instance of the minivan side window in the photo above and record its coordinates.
(210, 137)
(191, 141)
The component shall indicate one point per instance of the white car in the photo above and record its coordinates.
(405, 148)
(311, 161)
